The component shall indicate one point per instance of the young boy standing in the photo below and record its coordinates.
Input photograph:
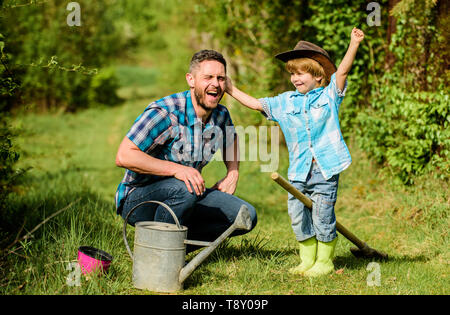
(309, 120)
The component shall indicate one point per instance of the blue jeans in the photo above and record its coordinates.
(320, 221)
(206, 216)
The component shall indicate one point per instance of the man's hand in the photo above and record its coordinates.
(191, 176)
(357, 35)
(227, 184)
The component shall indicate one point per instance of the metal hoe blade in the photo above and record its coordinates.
(243, 220)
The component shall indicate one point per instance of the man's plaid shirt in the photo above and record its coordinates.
(169, 129)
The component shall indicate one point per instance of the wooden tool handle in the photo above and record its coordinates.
(291, 189)
(308, 203)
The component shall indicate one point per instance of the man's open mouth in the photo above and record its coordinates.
(212, 93)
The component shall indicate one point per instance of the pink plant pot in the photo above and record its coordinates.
(92, 259)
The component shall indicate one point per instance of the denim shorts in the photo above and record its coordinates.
(320, 221)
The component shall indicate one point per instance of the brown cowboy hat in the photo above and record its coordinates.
(305, 49)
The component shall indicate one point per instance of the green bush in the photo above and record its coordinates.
(406, 125)
(103, 88)
(8, 157)
(408, 132)
(9, 87)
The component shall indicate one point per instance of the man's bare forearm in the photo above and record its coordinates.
(129, 156)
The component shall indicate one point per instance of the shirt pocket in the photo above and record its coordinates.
(320, 110)
(294, 119)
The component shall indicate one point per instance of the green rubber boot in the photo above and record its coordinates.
(324, 262)
(308, 250)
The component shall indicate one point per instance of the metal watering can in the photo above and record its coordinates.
(160, 250)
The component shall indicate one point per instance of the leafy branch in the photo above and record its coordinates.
(14, 4)
(54, 64)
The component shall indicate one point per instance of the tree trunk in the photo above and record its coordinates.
(443, 28)
(390, 58)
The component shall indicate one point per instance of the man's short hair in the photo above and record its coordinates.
(206, 54)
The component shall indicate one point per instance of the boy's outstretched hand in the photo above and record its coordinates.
(344, 68)
(357, 35)
(241, 97)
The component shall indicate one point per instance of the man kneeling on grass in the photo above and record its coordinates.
(167, 147)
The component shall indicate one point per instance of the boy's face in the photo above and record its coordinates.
(304, 81)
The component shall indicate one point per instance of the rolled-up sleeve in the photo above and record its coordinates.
(151, 128)
(271, 107)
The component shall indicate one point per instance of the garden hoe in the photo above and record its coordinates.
(362, 250)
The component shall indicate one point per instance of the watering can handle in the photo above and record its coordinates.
(134, 208)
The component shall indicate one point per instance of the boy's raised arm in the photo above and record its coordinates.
(242, 97)
(346, 64)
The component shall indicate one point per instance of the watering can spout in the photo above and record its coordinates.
(243, 221)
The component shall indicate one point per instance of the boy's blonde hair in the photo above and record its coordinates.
(308, 65)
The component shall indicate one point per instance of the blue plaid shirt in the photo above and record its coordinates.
(310, 125)
(169, 129)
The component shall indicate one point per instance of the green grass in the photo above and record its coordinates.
(133, 75)
(72, 163)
